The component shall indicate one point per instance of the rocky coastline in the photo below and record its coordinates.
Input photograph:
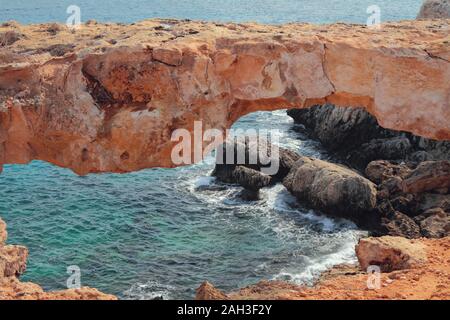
(394, 192)
(394, 184)
(13, 260)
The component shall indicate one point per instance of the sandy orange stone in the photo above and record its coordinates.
(107, 97)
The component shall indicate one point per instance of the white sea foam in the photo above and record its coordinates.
(204, 181)
(150, 290)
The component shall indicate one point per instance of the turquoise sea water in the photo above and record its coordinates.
(161, 232)
(266, 11)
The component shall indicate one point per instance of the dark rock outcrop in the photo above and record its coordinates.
(355, 136)
(248, 178)
(435, 223)
(247, 167)
(379, 171)
(339, 129)
(413, 199)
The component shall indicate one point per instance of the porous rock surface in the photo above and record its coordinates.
(107, 97)
(331, 187)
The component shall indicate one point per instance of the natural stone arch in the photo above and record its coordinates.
(113, 108)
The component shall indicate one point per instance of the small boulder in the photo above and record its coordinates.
(9, 37)
(390, 253)
(380, 170)
(400, 225)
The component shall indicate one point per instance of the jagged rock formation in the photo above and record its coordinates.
(107, 97)
(13, 261)
(413, 200)
(427, 276)
(435, 9)
(355, 136)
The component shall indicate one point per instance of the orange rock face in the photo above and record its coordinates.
(107, 97)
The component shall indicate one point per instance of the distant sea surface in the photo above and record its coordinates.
(161, 232)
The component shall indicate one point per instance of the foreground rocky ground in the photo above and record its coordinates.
(415, 269)
(89, 99)
(13, 261)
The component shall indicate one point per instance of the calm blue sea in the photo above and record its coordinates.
(161, 232)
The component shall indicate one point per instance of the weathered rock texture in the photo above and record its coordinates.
(413, 200)
(207, 291)
(107, 97)
(390, 253)
(13, 261)
(435, 9)
(428, 277)
(355, 136)
(332, 188)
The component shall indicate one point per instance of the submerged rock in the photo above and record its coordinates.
(390, 253)
(248, 178)
(331, 187)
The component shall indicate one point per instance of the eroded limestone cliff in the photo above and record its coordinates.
(107, 97)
